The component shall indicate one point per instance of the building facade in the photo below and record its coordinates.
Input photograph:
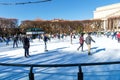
(105, 13)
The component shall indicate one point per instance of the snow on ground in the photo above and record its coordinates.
(62, 52)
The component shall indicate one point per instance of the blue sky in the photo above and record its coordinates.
(62, 9)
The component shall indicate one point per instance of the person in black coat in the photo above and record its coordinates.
(26, 46)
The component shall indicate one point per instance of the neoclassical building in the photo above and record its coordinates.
(110, 15)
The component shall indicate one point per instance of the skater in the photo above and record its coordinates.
(114, 35)
(45, 41)
(71, 35)
(26, 46)
(15, 41)
(81, 41)
(118, 37)
(88, 41)
(7, 40)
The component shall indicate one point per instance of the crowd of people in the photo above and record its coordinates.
(25, 40)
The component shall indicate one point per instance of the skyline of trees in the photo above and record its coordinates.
(10, 26)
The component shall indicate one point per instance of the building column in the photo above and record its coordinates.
(105, 26)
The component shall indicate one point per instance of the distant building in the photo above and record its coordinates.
(106, 12)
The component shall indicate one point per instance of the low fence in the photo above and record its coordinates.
(80, 65)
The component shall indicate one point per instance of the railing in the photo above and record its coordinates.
(80, 73)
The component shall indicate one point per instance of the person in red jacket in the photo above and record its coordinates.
(118, 37)
(81, 41)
